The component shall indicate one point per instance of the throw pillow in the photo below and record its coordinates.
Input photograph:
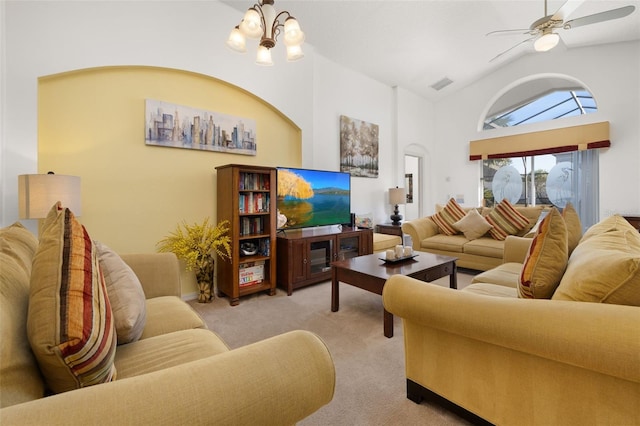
(450, 214)
(506, 220)
(546, 259)
(574, 226)
(125, 293)
(473, 225)
(70, 323)
(605, 268)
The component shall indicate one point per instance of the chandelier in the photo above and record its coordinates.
(261, 21)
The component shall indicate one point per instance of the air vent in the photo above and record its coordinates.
(441, 84)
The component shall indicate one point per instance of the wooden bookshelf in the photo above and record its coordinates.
(246, 197)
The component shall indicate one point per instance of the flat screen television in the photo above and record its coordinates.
(308, 198)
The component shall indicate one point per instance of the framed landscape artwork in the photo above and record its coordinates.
(358, 147)
(180, 126)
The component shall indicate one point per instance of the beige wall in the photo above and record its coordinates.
(91, 124)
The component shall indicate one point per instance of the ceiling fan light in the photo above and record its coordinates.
(264, 56)
(237, 41)
(547, 42)
(294, 53)
(251, 25)
(292, 33)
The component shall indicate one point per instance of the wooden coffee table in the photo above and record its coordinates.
(371, 273)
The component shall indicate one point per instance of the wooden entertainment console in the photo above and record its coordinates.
(304, 256)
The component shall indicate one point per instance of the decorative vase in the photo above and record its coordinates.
(204, 277)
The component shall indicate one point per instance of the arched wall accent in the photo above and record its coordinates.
(91, 124)
(519, 82)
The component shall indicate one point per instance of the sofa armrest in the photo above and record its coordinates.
(159, 273)
(419, 229)
(277, 381)
(562, 331)
(515, 249)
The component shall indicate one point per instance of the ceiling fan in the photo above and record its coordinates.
(542, 30)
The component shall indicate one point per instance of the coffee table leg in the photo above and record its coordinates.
(453, 278)
(388, 324)
(335, 292)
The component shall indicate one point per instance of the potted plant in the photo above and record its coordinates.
(196, 244)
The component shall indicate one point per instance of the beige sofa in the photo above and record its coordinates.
(178, 372)
(480, 254)
(510, 360)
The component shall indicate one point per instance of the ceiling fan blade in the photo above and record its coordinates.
(566, 10)
(509, 32)
(599, 17)
(511, 48)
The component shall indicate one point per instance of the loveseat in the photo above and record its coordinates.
(572, 358)
(474, 250)
(176, 372)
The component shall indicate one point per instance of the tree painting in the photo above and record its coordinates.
(358, 147)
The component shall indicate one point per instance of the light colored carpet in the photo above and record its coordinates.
(370, 380)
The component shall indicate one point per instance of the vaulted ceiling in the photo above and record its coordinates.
(415, 44)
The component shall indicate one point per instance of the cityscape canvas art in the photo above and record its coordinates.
(180, 126)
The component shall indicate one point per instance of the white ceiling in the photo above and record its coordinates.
(416, 43)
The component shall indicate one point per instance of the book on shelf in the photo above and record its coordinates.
(254, 202)
(251, 273)
(254, 182)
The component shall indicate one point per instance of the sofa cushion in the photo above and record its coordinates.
(70, 323)
(166, 350)
(574, 226)
(382, 242)
(166, 314)
(506, 220)
(19, 374)
(487, 247)
(473, 225)
(604, 268)
(611, 223)
(125, 295)
(487, 289)
(546, 260)
(507, 275)
(452, 243)
(445, 218)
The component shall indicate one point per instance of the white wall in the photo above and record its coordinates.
(610, 72)
(43, 37)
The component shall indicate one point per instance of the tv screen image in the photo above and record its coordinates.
(309, 198)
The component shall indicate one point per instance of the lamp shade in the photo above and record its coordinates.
(397, 196)
(263, 56)
(38, 193)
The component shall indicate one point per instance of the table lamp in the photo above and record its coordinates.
(396, 196)
(38, 193)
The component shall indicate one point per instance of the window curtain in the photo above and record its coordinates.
(567, 139)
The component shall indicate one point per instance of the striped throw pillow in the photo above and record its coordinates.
(70, 325)
(450, 214)
(546, 260)
(506, 220)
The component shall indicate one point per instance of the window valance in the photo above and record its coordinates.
(576, 138)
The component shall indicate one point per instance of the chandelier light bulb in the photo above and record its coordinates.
(237, 41)
(264, 56)
(251, 25)
(294, 53)
(292, 33)
(548, 41)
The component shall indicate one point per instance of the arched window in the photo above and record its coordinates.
(551, 167)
